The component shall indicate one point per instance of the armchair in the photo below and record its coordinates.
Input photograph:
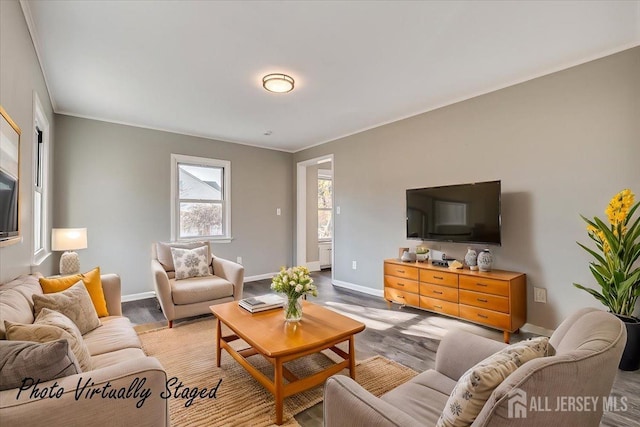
(193, 296)
(588, 346)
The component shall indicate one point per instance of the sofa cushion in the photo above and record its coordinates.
(15, 300)
(163, 252)
(435, 380)
(417, 400)
(39, 361)
(51, 326)
(92, 281)
(476, 385)
(114, 357)
(199, 289)
(75, 303)
(191, 262)
(115, 334)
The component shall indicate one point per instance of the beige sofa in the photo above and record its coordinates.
(588, 346)
(192, 297)
(117, 358)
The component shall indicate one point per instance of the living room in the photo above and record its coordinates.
(561, 136)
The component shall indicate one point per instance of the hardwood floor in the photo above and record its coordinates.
(406, 335)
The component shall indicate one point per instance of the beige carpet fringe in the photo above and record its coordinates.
(187, 351)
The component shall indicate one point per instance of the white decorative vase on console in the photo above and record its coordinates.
(485, 260)
(471, 258)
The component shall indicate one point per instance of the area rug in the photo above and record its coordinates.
(187, 352)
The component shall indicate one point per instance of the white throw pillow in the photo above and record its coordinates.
(476, 385)
(191, 262)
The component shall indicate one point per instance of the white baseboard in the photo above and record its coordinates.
(259, 277)
(136, 297)
(313, 266)
(358, 288)
(538, 330)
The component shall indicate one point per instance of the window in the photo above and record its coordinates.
(40, 178)
(325, 206)
(201, 205)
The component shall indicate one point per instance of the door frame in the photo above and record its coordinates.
(301, 208)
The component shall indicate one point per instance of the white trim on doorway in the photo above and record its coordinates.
(301, 208)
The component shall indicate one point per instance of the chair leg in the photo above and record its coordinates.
(171, 323)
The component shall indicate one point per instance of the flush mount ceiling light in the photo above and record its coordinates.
(278, 83)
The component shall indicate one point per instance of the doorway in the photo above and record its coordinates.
(311, 235)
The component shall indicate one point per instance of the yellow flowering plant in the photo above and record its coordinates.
(618, 249)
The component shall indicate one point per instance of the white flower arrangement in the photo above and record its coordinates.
(294, 282)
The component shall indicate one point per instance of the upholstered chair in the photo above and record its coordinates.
(180, 298)
(588, 346)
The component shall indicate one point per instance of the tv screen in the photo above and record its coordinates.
(8, 206)
(466, 213)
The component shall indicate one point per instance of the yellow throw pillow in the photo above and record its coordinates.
(59, 284)
(92, 282)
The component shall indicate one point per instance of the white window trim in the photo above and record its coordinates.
(328, 176)
(40, 121)
(203, 161)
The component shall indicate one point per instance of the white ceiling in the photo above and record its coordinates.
(195, 67)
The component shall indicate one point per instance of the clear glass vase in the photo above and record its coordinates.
(293, 309)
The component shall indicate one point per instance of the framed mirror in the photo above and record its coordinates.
(9, 180)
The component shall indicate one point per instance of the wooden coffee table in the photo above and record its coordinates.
(270, 336)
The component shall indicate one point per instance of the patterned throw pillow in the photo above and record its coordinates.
(74, 302)
(41, 361)
(476, 385)
(51, 326)
(191, 262)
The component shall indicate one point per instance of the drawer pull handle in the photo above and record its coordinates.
(437, 292)
(483, 316)
(438, 306)
(482, 300)
(438, 277)
(481, 284)
(400, 284)
(400, 271)
(400, 296)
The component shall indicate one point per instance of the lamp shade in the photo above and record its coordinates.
(68, 239)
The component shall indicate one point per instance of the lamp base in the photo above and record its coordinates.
(69, 263)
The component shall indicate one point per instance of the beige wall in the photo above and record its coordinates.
(562, 145)
(20, 77)
(115, 180)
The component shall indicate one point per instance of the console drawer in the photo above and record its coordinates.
(439, 278)
(401, 297)
(439, 292)
(446, 307)
(407, 272)
(484, 285)
(401, 284)
(488, 301)
(487, 317)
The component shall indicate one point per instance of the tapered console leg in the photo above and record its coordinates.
(171, 323)
(507, 337)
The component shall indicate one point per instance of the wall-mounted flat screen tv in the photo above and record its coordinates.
(465, 213)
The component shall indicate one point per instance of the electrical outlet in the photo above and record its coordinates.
(278, 212)
(540, 295)
(354, 265)
(338, 210)
(239, 260)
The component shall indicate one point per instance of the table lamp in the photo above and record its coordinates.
(69, 240)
